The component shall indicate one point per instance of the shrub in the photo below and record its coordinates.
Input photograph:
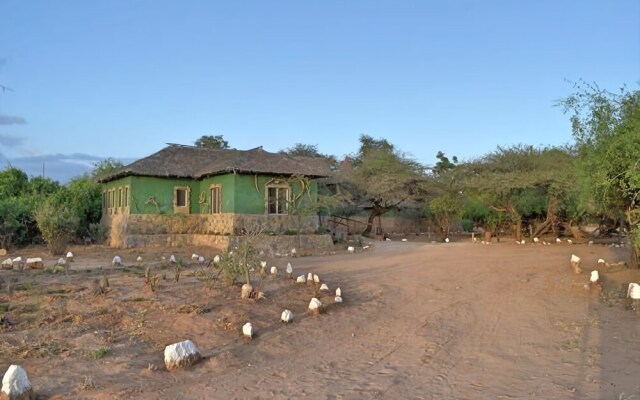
(57, 224)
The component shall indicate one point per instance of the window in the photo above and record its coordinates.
(216, 199)
(110, 198)
(119, 197)
(104, 200)
(277, 197)
(126, 197)
(181, 199)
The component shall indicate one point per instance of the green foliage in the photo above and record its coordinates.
(524, 183)
(57, 224)
(309, 150)
(13, 182)
(212, 142)
(101, 352)
(106, 166)
(382, 178)
(16, 224)
(446, 209)
(606, 127)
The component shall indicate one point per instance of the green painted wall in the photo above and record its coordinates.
(228, 189)
(143, 188)
(239, 194)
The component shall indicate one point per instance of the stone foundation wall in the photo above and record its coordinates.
(219, 231)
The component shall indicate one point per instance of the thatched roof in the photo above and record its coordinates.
(177, 161)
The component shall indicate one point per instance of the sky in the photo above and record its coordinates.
(90, 80)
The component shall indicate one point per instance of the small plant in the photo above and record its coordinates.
(177, 269)
(104, 283)
(147, 276)
(100, 353)
(154, 283)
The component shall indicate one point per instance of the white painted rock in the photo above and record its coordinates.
(16, 385)
(316, 278)
(314, 306)
(200, 260)
(287, 316)
(62, 261)
(294, 251)
(181, 355)
(116, 261)
(324, 287)
(274, 271)
(446, 240)
(194, 256)
(139, 259)
(575, 264)
(301, 279)
(246, 291)
(216, 259)
(309, 277)
(595, 276)
(601, 261)
(7, 264)
(405, 240)
(536, 240)
(247, 330)
(338, 292)
(17, 260)
(387, 240)
(569, 241)
(351, 249)
(590, 242)
(172, 259)
(289, 269)
(35, 263)
(558, 240)
(634, 291)
(338, 299)
(263, 264)
(70, 256)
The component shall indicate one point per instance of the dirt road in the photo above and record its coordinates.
(419, 321)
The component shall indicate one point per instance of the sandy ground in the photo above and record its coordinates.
(419, 321)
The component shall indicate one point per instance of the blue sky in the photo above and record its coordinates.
(97, 79)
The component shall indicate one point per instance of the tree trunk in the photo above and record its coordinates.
(518, 228)
(375, 212)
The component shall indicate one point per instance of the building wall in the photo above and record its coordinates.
(149, 218)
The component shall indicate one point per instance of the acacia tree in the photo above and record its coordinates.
(525, 184)
(212, 142)
(447, 206)
(382, 178)
(606, 127)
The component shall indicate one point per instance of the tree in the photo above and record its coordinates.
(523, 182)
(382, 178)
(606, 127)
(309, 150)
(212, 142)
(13, 182)
(447, 206)
(105, 166)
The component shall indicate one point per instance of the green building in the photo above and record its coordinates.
(184, 195)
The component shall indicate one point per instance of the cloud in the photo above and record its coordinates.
(12, 120)
(9, 141)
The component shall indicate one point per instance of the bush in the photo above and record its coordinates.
(57, 224)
